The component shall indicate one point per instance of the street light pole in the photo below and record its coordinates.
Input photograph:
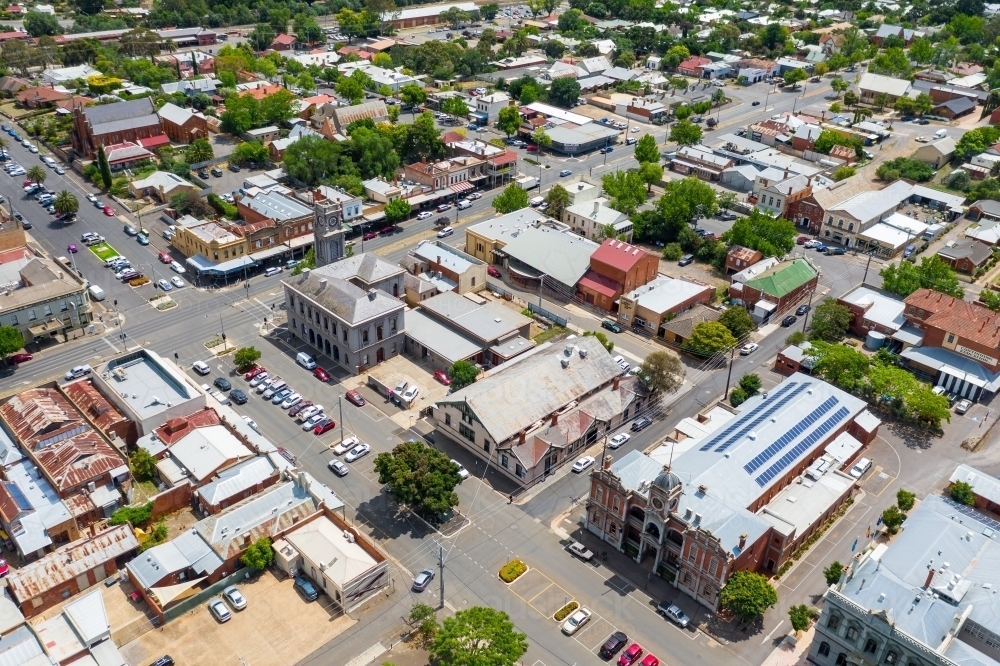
(729, 377)
(873, 249)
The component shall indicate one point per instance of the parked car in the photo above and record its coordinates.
(422, 580)
(493, 271)
(802, 240)
(614, 327)
(641, 424)
(619, 440)
(177, 282)
(219, 610)
(576, 619)
(749, 348)
(321, 374)
(462, 472)
(355, 398)
(345, 445)
(254, 371)
(802, 309)
(357, 452)
(864, 464)
(673, 613)
(685, 260)
(164, 285)
(17, 359)
(962, 407)
(338, 468)
(130, 230)
(78, 371)
(239, 397)
(305, 587)
(581, 551)
(291, 401)
(424, 215)
(222, 384)
(297, 409)
(234, 598)
(410, 394)
(443, 207)
(835, 251)
(280, 395)
(788, 321)
(582, 464)
(631, 655)
(615, 642)
(324, 426)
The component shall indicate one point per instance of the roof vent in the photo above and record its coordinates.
(697, 518)
(569, 350)
(583, 353)
(702, 489)
(564, 362)
(752, 436)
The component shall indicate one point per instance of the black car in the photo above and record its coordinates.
(235, 168)
(788, 321)
(165, 660)
(641, 424)
(614, 643)
(203, 174)
(802, 310)
(611, 326)
(217, 172)
(222, 384)
(238, 396)
(922, 121)
(685, 260)
(756, 102)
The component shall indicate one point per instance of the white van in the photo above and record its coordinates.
(96, 293)
(940, 134)
(447, 231)
(305, 360)
(536, 202)
(861, 468)
(463, 204)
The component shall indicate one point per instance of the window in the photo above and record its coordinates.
(467, 432)
(447, 419)
(693, 553)
(519, 470)
(612, 529)
(13, 320)
(833, 623)
(504, 461)
(615, 506)
(392, 324)
(891, 657)
(871, 646)
(63, 306)
(48, 309)
(713, 567)
(599, 495)
(824, 649)
(486, 445)
(850, 227)
(364, 337)
(31, 315)
(852, 633)
(364, 359)
(473, 281)
(951, 337)
(841, 659)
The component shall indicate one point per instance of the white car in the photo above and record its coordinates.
(291, 401)
(411, 393)
(177, 282)
(748, 349)
(462, 472)
(583, 463)
(234, 598)
(577, 619)
(258, 380)
(475, 195)
(357, 452)
(164, 285)
(634, 130)
(861, 468)
(424, 215)
(922, 139)
(177, 268)
(250, 422)
(346, 445)
(309, 412)
(91, 198)
(311, 422)
(618, 440)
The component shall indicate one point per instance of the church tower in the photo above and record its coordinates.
(328, 231)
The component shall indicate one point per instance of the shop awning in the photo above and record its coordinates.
(232, 265)
(200, 263)
(463, 187)
(267, 253)
(300, 241)
(51, 326)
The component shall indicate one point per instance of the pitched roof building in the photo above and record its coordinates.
(110, 124)
(615, 268)
(777, 289)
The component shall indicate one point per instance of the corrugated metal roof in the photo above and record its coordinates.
(783, 278)
(78, 460)
(237, 479)
(90, 401)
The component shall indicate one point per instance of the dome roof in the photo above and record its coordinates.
(667, 480)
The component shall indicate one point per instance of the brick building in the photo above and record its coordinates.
(110, 124)
(777, 289)
(739, 258)
(183, 125)
(615, 268)
(965, 256)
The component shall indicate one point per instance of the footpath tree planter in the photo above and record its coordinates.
(512, 571)
(564, 612)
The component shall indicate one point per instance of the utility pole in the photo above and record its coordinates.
(441, 573)
(729, 377)
(805, 319)
(340, 408)
(872, 250)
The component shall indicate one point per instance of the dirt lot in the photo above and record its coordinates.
(277, 628)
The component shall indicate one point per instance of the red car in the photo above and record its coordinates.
(650, 660)
(296, 409)
(370, 235)
(355, 398)
(630, 655)
(4, 569)
(442, 377)
(20, 358)
(254, 371)
(27, 182)
(109, 211)
(387, 231)
(324, 426)
(801, 239)
(321, 374)
(494, 271)
(165, 258)
(532, 148)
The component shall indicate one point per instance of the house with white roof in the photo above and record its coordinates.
(872, 85)
(589, 219)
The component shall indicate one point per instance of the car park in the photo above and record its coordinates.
(618, 440)
(615, 642)
(641, 424)
(238, 396)
(305, 587)
(685, 260)
(576, 619)
(673, 613)
(177, 282)
(462, 472)
(962, 407)
(422, 580)
(324, 426)
(354, 398)
(357, 452)
(219, 610)
(749, 348)
(583, 463)
(338, 468)
(862, 466)
(234, 598)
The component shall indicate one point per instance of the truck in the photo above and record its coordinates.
(578, 549)
(526, 182)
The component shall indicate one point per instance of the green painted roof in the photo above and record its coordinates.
(784, 278)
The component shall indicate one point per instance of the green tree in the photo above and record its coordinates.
(461, 374)
(921, 50)
(456, 107)
(709, 338)
(200, 150)
(249, 151)
(373, 153)
(646, 150)
(603, 339)
(976, 141)
(489, 10)
(830, 320)
(143, 465)
(774, 236)
(839, 86)
(904, 167)
(479, 636)
(843, 173)
(930, 273)
(423, 618)
(421, 140)
(413, 95)
(842, 366)
(420, 477)
(39, 24)
(557, 200)
(801, 616)
(564, 92)
(626, 189)
(66, 203)
(685, 133)
(511, 199)
(892, 518)
(351, 89)
(851, 99)
(509, 119)
(794, 76)
(397, 210)
(905, 500)
(541, 138)
(726, 200)
(261, 37)
(833, 572)
(747, 595)
(751, 384)
(661, 372)
(258, 554)
(245, 357)
(102, 163)
(738, 321)
(737, 396)
(650, 173)
(961, 492)
(36, 174)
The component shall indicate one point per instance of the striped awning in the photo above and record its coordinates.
(462, 187)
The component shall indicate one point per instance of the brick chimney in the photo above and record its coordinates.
(743, 541)
(555, 419)
(614, 385)
(607, 462)
(930, 577)
(520, 437)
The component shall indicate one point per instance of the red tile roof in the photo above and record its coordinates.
(176, 429)
(40, 94)
(500, 160)
(261, 92)
(155, 141)
(284, 39)
(598, 283)
(968, 320)
(618, 254)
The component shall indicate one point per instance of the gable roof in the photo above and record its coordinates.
(883, 84)
(956, 105)
(619, 254)
(348, 302)
(965, 249)
(968, 320)
(784, 278)
(563, 257)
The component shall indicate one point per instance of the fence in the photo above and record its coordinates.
(561, 321)
(175, 612)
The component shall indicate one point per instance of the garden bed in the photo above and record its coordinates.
(162, 302)
(512, 571)
(565, 611)
(103, 251)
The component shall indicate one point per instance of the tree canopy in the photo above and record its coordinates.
(512, 198)
(738, 321)
(774, 236)
(931, 273)
(461, 374)
(420, 476)
(830, 320)
(662, 372)
(626, 188)
(709, 338)
(479, 636)
(747, 595)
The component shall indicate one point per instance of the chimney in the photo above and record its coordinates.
(371, 294)
(930, 577)
(786, 173)
(520, 437)
(555, 419)
(597, 207)
(789, 190)
(607, 462)
(617, 381)
(743, 540)
(439, 260)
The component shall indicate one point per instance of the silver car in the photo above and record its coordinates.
(234, 598)
(219, 610)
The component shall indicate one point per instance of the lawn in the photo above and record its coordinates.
(549, 333)
(14, 111)
(104, 251)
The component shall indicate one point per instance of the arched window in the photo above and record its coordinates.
(891, 657)
(871, 646)
(824, 649)
(852, 633)
(834, 622)
(841, 659)
(850, 227)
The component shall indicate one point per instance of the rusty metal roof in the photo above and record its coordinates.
(176, 429)
(73, 462)
(94, 405)
(39, 415)
(70, 561)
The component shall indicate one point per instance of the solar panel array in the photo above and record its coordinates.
(743, 419)
(801, 447)
(972, 513)
(754, 418)
(787, 438)
(22, 502)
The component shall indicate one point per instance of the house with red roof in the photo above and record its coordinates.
(283, 42)
(692, 66)
(616, 267)
(40, 96)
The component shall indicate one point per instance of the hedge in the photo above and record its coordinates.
(565, 610)
(136, 515)
(512, 571)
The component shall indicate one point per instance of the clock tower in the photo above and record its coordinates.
(328, 231)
